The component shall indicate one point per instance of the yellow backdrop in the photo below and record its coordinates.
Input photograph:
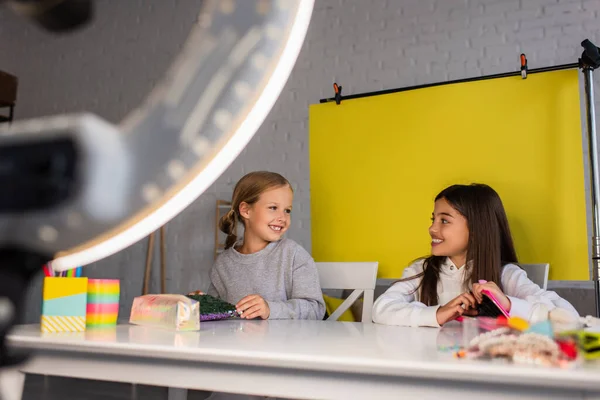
(376, 164)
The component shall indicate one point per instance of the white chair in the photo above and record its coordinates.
(360, 276)
(538, 273)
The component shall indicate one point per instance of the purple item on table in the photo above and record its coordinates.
(219, 315)
(212, 308)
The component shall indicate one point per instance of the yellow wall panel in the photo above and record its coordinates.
(376, 164)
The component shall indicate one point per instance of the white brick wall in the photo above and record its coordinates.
(362, 45)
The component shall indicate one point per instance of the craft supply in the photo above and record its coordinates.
(568, 346)
(168, 311)
(518, 323)
(489, 324)
(212, 308)
(487, 335)
(72, 273)
(542, 328)
(588, 343)
(47, 270)
(102, 302)
(513, 345)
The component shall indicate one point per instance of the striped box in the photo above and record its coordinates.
(102, 303)
(64, 304)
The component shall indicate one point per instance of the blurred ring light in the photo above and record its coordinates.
(135, 177)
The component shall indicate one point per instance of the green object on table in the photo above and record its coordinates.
(212, 308)
(587, 342)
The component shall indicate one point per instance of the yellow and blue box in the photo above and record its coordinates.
(64, 303)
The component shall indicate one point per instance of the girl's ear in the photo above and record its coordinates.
(245, 210)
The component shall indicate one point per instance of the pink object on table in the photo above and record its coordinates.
(496, 302)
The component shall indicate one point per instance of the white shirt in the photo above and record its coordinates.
(400, 304)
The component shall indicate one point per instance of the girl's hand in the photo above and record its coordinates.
(493, 289)
(253, 306)
(464, 304)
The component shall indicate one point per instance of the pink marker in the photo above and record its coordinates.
(482, 281)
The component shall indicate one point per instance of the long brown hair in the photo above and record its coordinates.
(490, 244)
(247, 190)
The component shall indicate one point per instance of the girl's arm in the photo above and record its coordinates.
(527, 299)
(397, 306)
(306, 300)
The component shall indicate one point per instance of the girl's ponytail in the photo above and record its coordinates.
(227, 225)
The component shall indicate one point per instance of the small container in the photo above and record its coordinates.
(169, 311)
(64, 303)
(102, 303)
(470, 330)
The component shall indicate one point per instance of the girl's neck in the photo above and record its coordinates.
(459, 261)
(252, 244)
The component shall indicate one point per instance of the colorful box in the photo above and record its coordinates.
(169, 311)
(64, 303)
(102, 303)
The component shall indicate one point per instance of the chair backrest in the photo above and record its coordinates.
(538, 273)
(8, 89)
(360, 276)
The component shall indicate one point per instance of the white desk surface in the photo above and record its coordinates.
(320, 347)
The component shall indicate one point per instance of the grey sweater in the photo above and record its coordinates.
(283, 273)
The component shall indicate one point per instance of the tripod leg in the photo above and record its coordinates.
(148, 264)
(163, 266)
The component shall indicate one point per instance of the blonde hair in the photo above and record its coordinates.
(247, 190)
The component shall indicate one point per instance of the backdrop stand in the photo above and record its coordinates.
(590, 60)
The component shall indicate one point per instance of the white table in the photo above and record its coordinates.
(302, 359)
